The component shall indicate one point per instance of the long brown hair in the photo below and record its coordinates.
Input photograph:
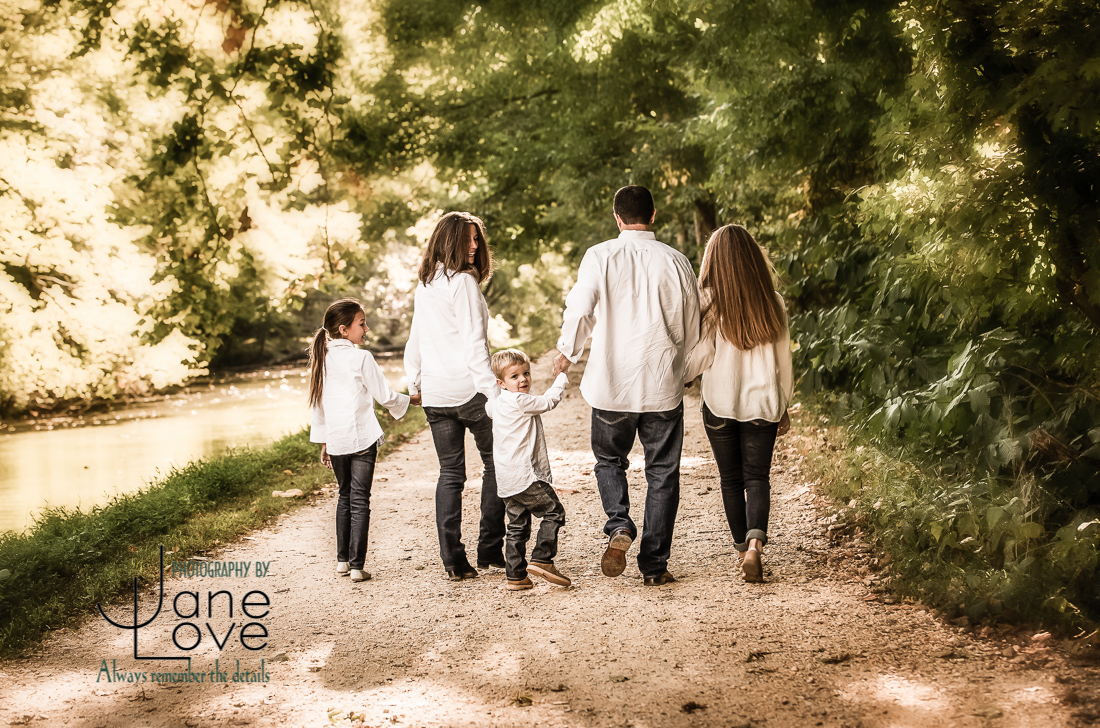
(340, 313)
(448, 246)
(738, 284)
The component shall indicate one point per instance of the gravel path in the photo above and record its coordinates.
(813, 646)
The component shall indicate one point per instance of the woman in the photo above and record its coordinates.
(745, 358)
(447, 361)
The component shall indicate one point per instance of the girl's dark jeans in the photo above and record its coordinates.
(743, 451)
(449, 425)
(354, 474)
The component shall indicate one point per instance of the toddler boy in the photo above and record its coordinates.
(523, 470)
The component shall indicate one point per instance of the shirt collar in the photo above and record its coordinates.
(637, 235)
(340, 342)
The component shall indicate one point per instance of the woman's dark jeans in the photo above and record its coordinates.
(743, 451)
(354, 474)
(449, 425)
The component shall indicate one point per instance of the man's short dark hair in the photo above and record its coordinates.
(634, 205)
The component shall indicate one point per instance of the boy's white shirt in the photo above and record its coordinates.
(639, 301)
(519, 445)
(744, 385)
(447, 355)
(345, 420)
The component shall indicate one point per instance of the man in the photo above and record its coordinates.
(638, 300)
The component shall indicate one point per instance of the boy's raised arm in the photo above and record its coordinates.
(534, 404)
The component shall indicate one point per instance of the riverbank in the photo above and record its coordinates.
(53, 575)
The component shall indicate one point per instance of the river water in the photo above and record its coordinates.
(83, 462)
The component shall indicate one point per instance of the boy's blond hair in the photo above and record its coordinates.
(507, 358)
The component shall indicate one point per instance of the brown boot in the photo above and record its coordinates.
(519, 584)
(753, 570)
(550, 573)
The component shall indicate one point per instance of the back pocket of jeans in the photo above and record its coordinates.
(613, 421)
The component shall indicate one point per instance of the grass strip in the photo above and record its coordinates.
(979, 549)
(53, 574)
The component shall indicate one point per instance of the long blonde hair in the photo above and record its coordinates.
(738, 285)
(448, 246)
(339, 313)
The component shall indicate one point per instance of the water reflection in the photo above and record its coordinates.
(83, 462)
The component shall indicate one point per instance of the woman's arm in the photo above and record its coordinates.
(412, 357)
(472, 316)
(701, 357)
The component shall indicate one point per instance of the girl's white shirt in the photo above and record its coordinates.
(519, 444)
(744, 385)
(447, 355)
(353, 382)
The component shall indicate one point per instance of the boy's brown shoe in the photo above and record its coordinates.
(519, 584)
(550, 573)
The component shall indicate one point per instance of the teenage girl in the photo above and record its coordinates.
(344, 383)
(447, 360)
(744, 356)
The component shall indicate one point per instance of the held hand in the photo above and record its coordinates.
(784, 424)
(325, 459)
(561, 364)
(415, 399)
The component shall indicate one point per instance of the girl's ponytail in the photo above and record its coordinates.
(340, 313)
(317, 366)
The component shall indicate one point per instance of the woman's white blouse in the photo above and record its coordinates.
(744, 385)
(447, 355)
(353, 381)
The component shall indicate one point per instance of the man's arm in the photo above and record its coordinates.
(580, 314)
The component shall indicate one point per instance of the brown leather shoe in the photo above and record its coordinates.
(751, 567)
(665, 578)
(549, 572)
(519, 584)
(613, 562)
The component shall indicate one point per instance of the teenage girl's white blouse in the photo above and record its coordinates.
(447, 355)
(353, 382)
(744, 385)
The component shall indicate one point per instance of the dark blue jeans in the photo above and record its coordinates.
(743, 452)
(540, 501)
(662, 438)
(354, 474)
(449, 425)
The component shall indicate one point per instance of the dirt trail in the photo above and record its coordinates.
(811, 647)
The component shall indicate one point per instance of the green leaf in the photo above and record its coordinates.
(994, 515)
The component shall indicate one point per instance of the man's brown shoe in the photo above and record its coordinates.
(519, 584)
(665, 578)
(613, 562)
(550, 573)
(753, 571)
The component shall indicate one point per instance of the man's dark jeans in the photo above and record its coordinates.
(540, 501)
(743, 452)
(662, 438)
(354, 474)
(449, 425)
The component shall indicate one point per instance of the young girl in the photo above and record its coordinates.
(745, 358)
(344, 383)
(447, 359)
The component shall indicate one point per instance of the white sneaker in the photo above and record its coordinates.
(359, 574)
(342, 568)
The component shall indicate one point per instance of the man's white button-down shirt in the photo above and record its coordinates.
(639, 301)
(519, 445)
(353, 381)
(447, 355)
